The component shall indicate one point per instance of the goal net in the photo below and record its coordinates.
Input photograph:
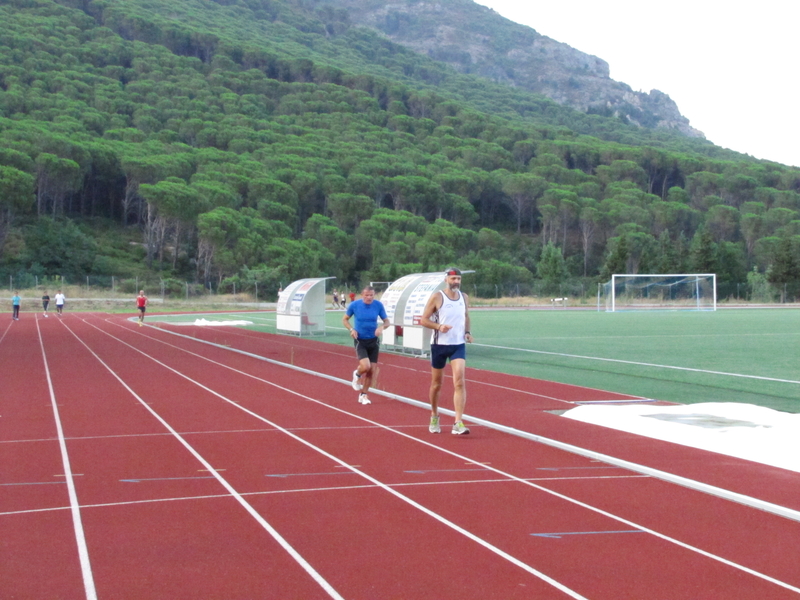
(693, 291)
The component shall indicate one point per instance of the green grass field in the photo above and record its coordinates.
(599, 350)
(731, 355)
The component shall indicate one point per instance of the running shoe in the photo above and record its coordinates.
(459, 429)
(434, 426)
(356, 382)
(363, 399)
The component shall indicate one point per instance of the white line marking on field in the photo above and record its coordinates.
(660, 336)
(505, 387)
(77, 523)
(246, 505)
(726, 494)
(642, 364)
(630, 401)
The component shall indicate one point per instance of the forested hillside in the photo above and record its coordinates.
(243, 141)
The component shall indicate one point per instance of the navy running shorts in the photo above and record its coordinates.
(440, 353)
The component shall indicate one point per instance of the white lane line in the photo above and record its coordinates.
(770, 507)
(642, 364)
(189, 433)
(318, 489)
(243, 334)
(748, 501)
(34, 483)
(573, 449)
(5, 331)
(77, 523)
(271, 530)
(501, 553)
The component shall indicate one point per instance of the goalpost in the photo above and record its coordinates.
(692, 291)
(380, 286)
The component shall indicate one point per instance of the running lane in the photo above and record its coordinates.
(38, 547)
(158, 520)
(460, 498)
(530, 406)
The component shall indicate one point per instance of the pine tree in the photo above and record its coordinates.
(785, 271)
(617, 261)
(703, 255)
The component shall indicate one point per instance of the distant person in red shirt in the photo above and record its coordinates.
(141, 304)
(352, 297)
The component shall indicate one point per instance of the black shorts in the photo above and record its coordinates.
(367, 348)
(440, 353)
(141, 309)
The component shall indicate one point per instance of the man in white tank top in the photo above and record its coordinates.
(447, 313)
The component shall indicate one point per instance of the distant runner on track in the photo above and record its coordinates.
(15, 301)
(141, 304)
(60, 300)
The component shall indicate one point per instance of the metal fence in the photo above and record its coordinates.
(175, 289)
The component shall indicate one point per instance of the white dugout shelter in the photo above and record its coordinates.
(404, 301)
(301, 307)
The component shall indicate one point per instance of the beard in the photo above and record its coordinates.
(454, 286)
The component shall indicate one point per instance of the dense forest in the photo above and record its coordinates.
(243, 142)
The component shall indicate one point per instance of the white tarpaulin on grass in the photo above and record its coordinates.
(745, 431)
(206, 323)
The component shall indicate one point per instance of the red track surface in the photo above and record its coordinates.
(200, 472)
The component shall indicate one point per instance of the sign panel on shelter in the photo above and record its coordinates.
(301, 307)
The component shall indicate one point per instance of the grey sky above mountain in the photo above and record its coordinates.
(730, 68)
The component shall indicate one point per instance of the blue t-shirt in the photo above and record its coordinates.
(15, 301)
(366, 317)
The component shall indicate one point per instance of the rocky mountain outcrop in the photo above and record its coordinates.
(475, 39)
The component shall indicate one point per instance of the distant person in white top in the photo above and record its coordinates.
(60, 299)
(447, 313)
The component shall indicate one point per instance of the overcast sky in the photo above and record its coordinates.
(731, 68)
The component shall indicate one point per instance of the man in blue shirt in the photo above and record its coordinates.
(365, 333)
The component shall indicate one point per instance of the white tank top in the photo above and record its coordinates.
(452, 312)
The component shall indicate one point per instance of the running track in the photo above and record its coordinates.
(136, 463)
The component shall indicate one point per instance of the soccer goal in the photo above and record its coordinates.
(380, 286)
(693, 291)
